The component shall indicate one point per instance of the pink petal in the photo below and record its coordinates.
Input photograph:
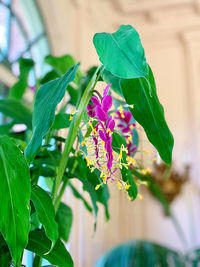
(102, 135)
(111, 125)
(100, 114)
(90, 107)
(107, 89)
(128, 116)
(95, 101)
(106, 103)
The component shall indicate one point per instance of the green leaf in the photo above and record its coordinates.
(78, 195)
(47, 98)
(13, 108)
(5, 257)
(45, 212)
(15, 196)
(73, 95)
(62, 64)
(17, 91)
(149, 113)
(5, 128)
(109, 78)
(89, 180)
(40, 244)
(64, 219)
(141, 253)
(49, 76)
(121, 52)
(61, 121)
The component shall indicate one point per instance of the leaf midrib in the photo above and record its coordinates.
(122, 51)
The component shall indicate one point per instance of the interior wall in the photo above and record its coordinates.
(170, 33)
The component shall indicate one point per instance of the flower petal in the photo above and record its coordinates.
(102, 135)
(128, 116)
(90, 107)
(106, 89)
(100, 114)
(106, 103)
(111, 125)
(95, 101)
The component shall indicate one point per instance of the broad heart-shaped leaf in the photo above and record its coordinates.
(14, 198)
(64, 219)
(45, 212)
(17, 91)
(40, 244)
(13, 108)
(149, 113)
(121, 52)
(47, 99)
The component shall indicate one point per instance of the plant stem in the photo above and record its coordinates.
(73, 132)
(58, 199)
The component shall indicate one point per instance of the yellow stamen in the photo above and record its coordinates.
(97, 186)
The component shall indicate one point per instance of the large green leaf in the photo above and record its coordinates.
(149, 113)
(45, 212)
(121, 52)
(40, 244)
(47, 99)
(13, 108)
(14, 197)
(64, 219)
(140, 253)
(17, 91)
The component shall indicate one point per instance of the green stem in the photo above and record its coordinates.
(59, 197)
(73, 131)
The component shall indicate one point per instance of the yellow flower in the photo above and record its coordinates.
(127, 186)
(97, 186)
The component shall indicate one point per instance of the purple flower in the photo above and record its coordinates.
(99, 109)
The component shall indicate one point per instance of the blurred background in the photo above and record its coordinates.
(170, 33)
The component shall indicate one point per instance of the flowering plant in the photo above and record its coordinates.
(99, 145)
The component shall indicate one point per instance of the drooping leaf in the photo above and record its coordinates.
(78, 195)
(45, 212)
(47, 98)
(64, 220)
(40, 244)
(149, 113)
(121, 52)
(61, 121)
(14, 197)
(89, 180)
(141, 253)
(17, 91)
(62, 64)
(13, 108)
